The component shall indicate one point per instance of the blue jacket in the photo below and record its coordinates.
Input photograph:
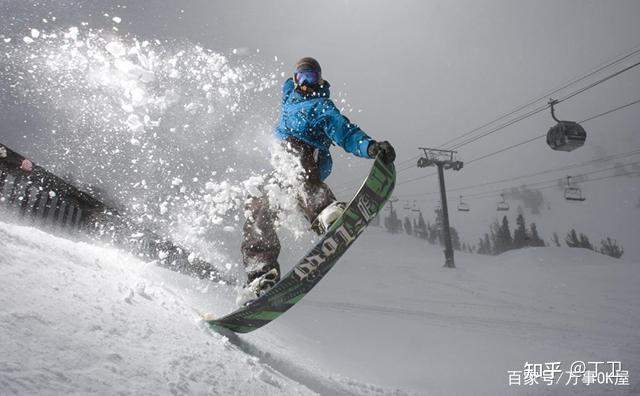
(314, 119)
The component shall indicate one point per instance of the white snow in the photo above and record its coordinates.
(87, 320)
(116, 49)
(388, 319)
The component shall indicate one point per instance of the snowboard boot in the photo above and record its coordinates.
(260, 284)
(327, 217)
(260, 278)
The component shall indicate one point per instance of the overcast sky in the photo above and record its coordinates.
(421, 72)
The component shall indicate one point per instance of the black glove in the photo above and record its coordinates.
(385, 148)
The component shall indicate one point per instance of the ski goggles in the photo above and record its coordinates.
(307, 77)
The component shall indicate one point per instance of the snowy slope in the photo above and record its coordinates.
(78, 318)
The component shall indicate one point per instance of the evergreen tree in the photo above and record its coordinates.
(555, 239)
(487, 245)
(585, 242)
(392, 223)
(520, 237)
(433, 234)
(455, 239)
(496, 240)
(571, 239)
(407, 226)
(422, 227)
(535, 239)
(611, 248)
(506, 234)
(481, 249)
(501, 235)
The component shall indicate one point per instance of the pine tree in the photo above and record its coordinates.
(496, 241)
(585, 242)
(501, 234)
(433, 234)
(392, 223)
(487, 245)
(535, 239)
(422, 227)
(520, 237)
(455, 239)
(407, 226)
(571, 239)
(481, 248)
(555, 239)
(610, 248)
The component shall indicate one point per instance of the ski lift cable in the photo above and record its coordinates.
(520, 177)
(586, 163)
(605, 65)
(610, 111)
(553, 184)
(531, 140)
(554, 180)
(617, 59)
(596, 83)
(598, 69)
(542, 136)
(519, 119)
(505, 149)
(542, 108)
(606, 158)
(501, 126)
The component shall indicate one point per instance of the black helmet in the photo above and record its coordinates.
(308, 74)
(308, 63)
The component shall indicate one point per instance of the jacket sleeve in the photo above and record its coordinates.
(342, 131)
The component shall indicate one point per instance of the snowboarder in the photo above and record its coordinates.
(309, 124)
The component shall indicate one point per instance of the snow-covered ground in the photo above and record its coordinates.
(78, 318)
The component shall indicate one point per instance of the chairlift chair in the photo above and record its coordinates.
(565, 135)
(573, 193)
(503, 206)
(463, 206)
(415, 208)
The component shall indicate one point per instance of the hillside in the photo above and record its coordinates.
(79, 318)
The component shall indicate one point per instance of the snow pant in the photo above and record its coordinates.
(260, 244)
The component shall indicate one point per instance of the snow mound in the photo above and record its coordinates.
(79, 318)
(83, 319)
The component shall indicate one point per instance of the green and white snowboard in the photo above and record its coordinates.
(364, 206)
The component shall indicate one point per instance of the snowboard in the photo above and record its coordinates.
(293, 286)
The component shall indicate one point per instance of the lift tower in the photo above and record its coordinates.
(443, 159)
